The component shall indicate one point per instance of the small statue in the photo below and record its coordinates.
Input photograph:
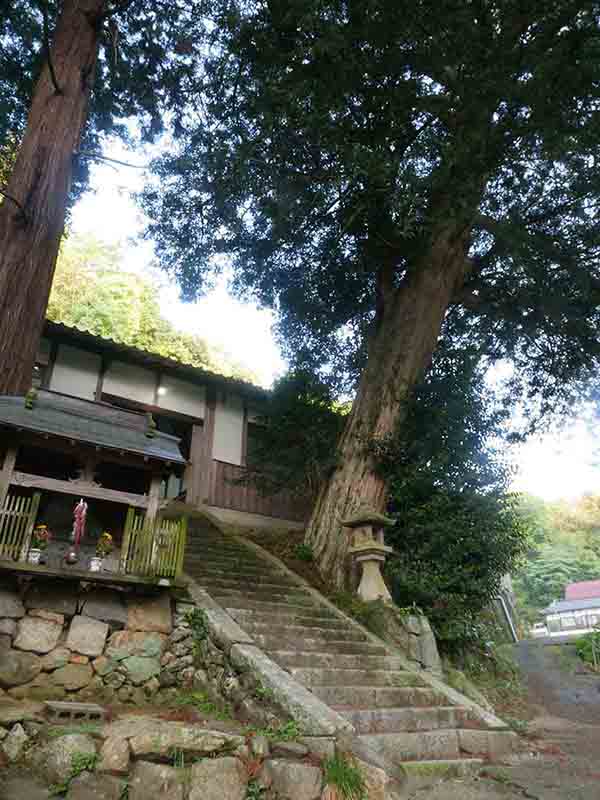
(79, 515)
(30, 398)
(150, 426)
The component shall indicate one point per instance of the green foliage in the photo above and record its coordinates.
(131, 79)
(346, 776)
(286, 732)
(564, 548)
(198, 622)
(201, 702)
(304, 552)
(92, 292)
(263, 692)
(254, 791)
(294, 446)
(490, 669)
(472, 121)
(588, 648)
(451, 552)
(177, 757)
(80, 762)
(56, 731)
(371, 615)
(458, 531)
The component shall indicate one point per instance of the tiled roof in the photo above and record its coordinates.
(582, 590)
(93, 423)
(572, 605)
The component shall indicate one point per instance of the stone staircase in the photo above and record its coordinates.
(394, 709)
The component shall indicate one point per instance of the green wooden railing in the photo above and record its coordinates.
(153, 549)
(17, 518)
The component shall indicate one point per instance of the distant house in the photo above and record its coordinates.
(584, 590)
(572, 615)
(580, 610)
(130, 432)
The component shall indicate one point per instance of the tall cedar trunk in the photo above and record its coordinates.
(399, 354)
(40, 182)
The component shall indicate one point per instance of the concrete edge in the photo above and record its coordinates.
(317, 718)
(454, 697)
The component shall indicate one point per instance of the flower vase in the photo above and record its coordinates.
(95, 564)
(34, 555)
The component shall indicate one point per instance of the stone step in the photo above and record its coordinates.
(420, 746)
(232, 597)
(370, 697)
(202, 570)
(239, 565)
(209, 544)
(491, 744)
(308, 645)
(255, 592)
(264, 582)
(232, 602)
(311, 631)
(215, 556)
(423, 774)
(248, 616)
(396, 720)
(355, 677)
(327, 660)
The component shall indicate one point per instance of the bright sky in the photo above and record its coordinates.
(560, 464)
(241, 329)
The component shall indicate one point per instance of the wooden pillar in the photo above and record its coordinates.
(89, 469)
(198, 478)
(153, 497)
(7, 471)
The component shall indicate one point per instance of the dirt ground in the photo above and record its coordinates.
(561, 754)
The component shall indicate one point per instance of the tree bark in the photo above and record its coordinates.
(399, 354)
(32, 213)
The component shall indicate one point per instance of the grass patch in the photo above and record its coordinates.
(497, 676)
(56, 731)
(201, 703)
(80, 762)
(303, 552)
(343, 774)
(371, 615)
(288, 732)
(254, 791)
(263, 692)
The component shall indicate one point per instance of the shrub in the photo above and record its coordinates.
(346, 777)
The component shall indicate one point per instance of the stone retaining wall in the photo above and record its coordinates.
(150, 758)
(64, 640)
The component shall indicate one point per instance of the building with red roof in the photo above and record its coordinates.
(584, 590)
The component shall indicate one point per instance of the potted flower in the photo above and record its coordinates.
(39, 542)
(104, 546)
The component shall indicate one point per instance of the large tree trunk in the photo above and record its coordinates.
(399, 354)
(31, 227)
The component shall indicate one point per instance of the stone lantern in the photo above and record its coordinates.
(370, 551)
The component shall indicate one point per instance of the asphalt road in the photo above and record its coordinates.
(561, 756)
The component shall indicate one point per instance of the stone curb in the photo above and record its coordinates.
(314, 716)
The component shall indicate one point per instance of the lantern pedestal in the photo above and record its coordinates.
(370, 551)
(371, 559)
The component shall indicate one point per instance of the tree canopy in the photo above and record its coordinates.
(564, 548)
(148, 52)
(458, 529)
(387, 174)
(91, 291)
(328, 137)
